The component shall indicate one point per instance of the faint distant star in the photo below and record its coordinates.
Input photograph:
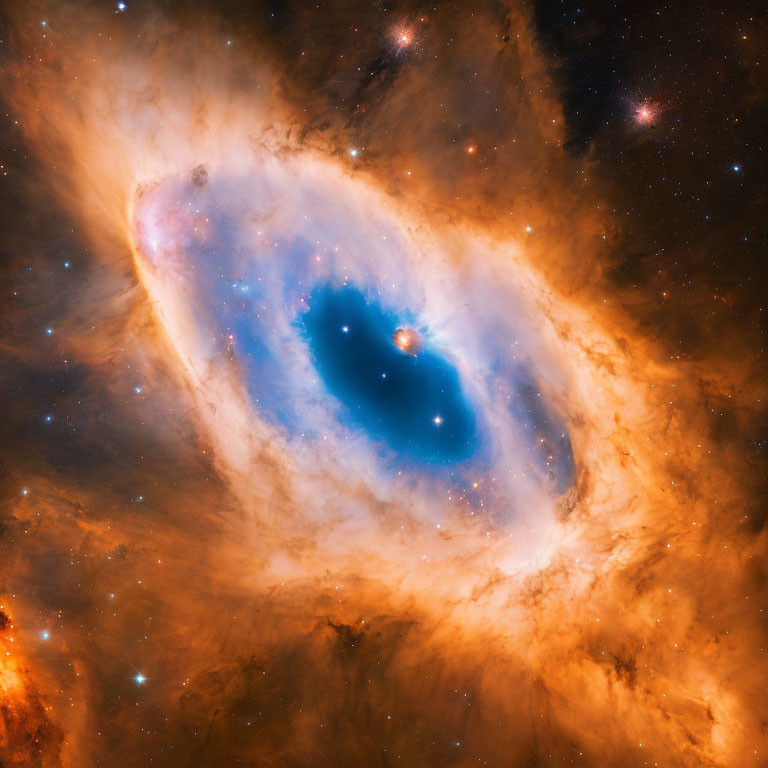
(49, 331)
(121, 7)
(736, 168)
(44, 635)
(353, 152)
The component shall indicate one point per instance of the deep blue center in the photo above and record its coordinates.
(413, 403)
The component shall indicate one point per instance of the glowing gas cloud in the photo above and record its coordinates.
(548, 559)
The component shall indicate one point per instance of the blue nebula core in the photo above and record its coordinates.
(415, 404)
(312, 335)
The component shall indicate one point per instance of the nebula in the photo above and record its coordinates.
(344, 439)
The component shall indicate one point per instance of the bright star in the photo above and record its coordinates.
(402, 37)
(139, 678)
(647, 112)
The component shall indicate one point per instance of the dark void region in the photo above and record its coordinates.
(414, 403)
(547, 435)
